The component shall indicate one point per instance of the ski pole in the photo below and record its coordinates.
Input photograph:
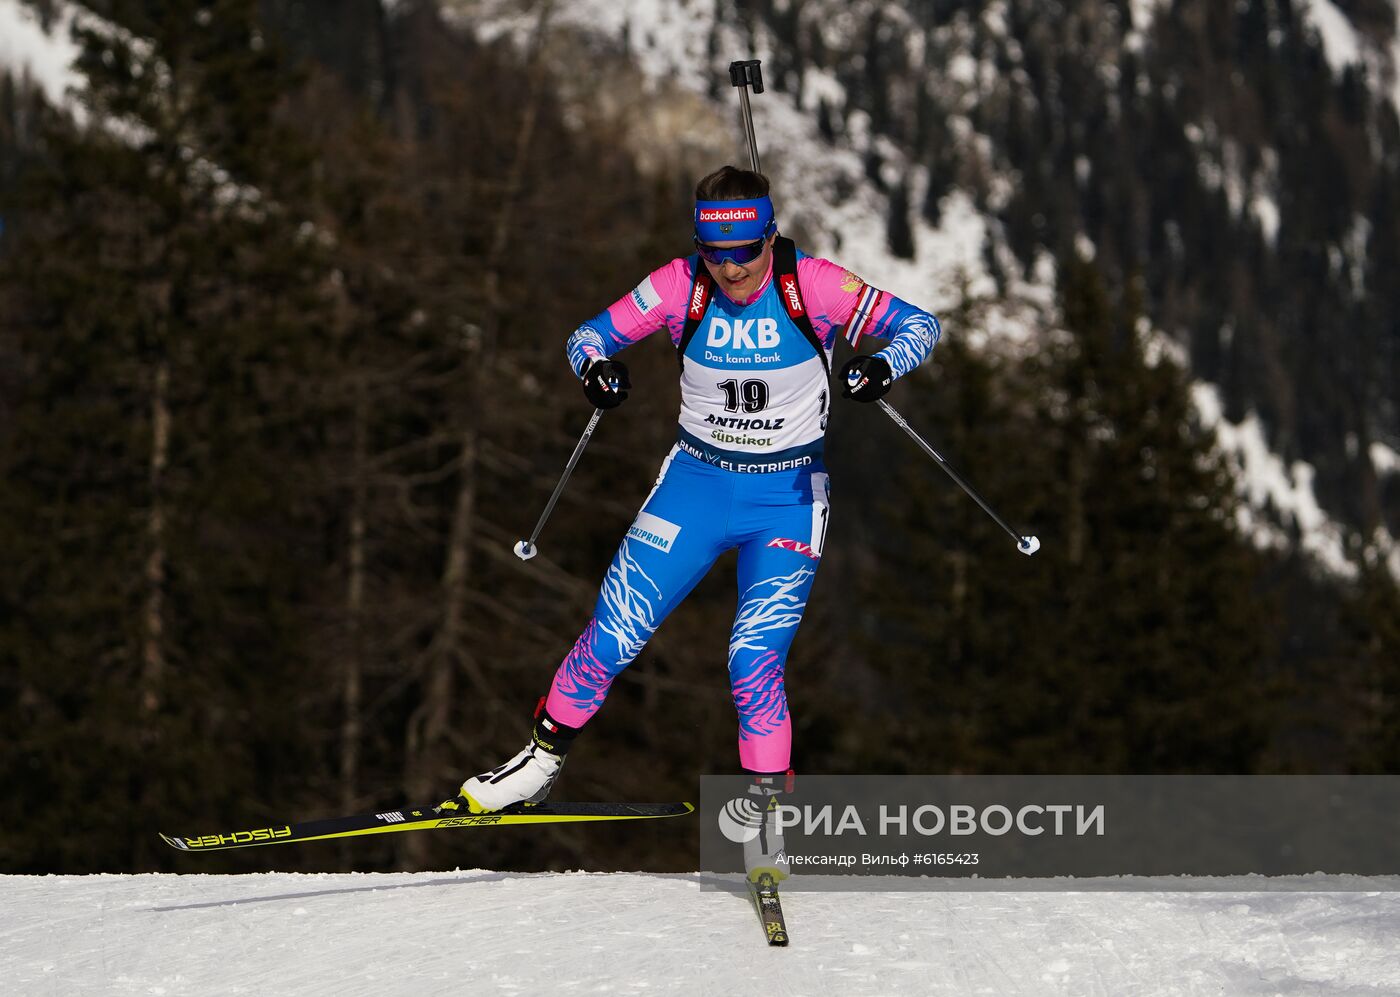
(744, 74)
(1025, 544)
(525, 549)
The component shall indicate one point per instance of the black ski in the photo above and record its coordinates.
(422, 819)
(770, 909)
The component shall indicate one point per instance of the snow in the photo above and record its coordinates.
(1395, 65)
(1340, 43)
(994, 19)
(1275, 494)
(47, 59)
(1266, 481)
(1220, 166)
(1355, 245)
(1263, 204)
(1266, 212)
(1142, 12)
(669, 42)
(823, 197)
(667, 39)
(1343, 46)
(482, 932)
(821, 85)
(1384, 459)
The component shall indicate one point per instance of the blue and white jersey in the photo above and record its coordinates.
(754, 392)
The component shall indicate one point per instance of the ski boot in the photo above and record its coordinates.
(526, 778)
(764, 854)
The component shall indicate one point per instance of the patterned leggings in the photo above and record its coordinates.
(695, 513)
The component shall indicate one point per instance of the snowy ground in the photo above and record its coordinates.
(495, 933)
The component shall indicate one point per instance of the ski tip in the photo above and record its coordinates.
(173, 842)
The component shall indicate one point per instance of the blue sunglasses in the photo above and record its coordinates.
(746, 253)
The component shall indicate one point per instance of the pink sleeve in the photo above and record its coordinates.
(836, 297)
(659, 300)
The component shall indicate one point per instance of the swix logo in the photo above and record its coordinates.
(697, 300)
(791, 296)
(729, 214)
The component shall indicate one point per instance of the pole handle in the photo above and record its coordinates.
(743, 74)
(747, 73)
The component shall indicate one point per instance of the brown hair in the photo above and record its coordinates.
(729, 183)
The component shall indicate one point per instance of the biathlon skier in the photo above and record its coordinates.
(755, 322)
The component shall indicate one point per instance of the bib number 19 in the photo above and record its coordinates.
(749, 396)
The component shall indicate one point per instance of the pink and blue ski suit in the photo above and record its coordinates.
(746, 472)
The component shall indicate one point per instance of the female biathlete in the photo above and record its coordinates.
(755, 322)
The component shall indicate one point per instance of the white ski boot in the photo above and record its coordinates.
(526, 778)
(764, 854)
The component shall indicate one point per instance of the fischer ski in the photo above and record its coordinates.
(770, 909)
(422, 819)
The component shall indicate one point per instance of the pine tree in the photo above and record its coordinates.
(163, 296)
(1133, 641)
(899, 234)
(1165, 584)
(1370, 664)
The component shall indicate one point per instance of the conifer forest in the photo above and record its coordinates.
(284, 291)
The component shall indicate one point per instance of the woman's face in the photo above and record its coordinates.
(739, 282)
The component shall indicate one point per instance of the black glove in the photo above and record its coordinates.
(605, 382)
(866, 378)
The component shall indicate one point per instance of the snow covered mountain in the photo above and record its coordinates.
(1237, 166)
(959, 148)
(900, 138)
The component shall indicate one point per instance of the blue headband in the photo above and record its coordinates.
(730, 221)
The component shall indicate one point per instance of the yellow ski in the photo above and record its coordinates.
(422, 819)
